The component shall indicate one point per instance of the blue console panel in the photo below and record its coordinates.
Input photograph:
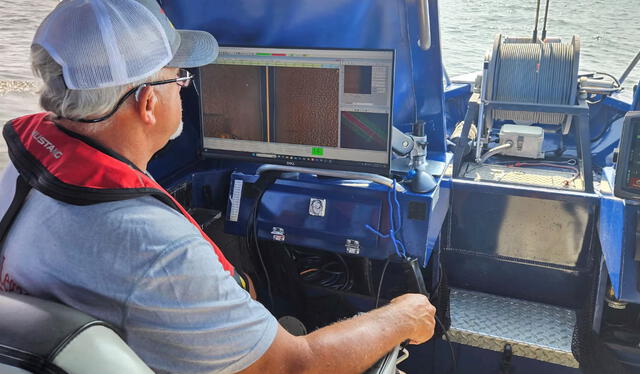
(618, 230)
(340, 216)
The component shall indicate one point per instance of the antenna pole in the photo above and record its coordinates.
(544, 28)
(535, 29)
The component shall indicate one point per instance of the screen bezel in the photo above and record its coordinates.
(631, 120)
(358, 166)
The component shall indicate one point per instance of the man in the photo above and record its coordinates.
(97, 233)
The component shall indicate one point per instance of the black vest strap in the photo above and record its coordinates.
(22, 190)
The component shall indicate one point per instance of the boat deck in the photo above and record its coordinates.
(534, 330)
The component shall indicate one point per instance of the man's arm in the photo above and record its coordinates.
(353, 345)
(185, 314)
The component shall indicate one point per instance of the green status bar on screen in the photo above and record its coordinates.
(317, 151)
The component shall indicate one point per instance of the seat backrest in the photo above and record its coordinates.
(39, 336)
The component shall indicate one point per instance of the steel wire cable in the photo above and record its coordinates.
(535, 73)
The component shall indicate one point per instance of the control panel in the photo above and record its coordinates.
(347, 217)
(619, 233)
(627, 183)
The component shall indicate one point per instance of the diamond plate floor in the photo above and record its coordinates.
(537, 331)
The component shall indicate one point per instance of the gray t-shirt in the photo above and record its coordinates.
(143, 267)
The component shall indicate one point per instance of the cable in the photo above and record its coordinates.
(454, 363)
(308, 271)
(347, 277)
(420, 281)
(252, 226)
(454, 366)
(422, 288)
(570, 162)
(595, 95)
(392, 230)
(254, 223)
(576, 171)
(605, 128)
(547, 164)
(615, 80)
(534, 73)
(398, 245)
(494, 151)
(384, 269)
(313, 268)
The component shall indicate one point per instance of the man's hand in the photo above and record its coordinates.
(417, 309)
(353, 345)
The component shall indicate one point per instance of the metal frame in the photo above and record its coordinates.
(581, 114)
(577, 113)
(349, 175)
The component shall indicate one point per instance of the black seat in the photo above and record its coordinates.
(38, 336)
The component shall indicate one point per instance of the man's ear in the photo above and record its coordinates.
(146, 103)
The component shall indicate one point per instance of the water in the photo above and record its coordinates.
(609, 32)
(20, 18)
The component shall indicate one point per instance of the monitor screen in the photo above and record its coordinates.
(627, 183)
(632, 178)
(320, 108)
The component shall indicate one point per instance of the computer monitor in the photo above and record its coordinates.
(320, 108)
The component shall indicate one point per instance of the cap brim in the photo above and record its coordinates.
(197, 48)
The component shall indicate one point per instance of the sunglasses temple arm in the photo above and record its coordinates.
(195, 88)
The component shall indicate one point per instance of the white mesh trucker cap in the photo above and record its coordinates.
(104, 43)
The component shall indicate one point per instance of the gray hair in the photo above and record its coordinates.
(70, 104)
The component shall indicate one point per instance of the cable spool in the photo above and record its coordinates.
(539, 72)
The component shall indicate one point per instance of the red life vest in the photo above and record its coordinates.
(66, 167)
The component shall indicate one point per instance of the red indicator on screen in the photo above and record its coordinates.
(270, 54)
(634, 182)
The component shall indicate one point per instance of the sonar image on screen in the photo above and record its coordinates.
(306, 100)
(357, 79)
(234, 97)
(301, 107)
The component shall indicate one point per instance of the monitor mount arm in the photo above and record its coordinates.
(401, 143)
(415, 147)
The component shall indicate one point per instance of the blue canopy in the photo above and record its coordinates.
(355, 24)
